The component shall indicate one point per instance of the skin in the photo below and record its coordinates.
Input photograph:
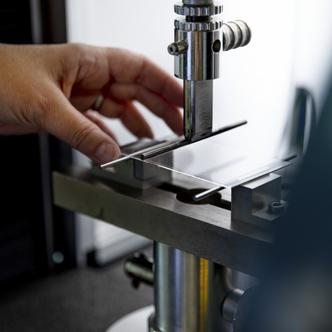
(53, 89)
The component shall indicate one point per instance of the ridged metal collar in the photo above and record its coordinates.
(197, 26)
(210, 10)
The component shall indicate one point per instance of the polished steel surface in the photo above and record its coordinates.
(198, 66)
(196, 50)
(198, 106)
(199, 62)
(188, 292)
(203, 230)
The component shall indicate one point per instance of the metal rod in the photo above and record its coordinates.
(205, 194)
(140, 269)
(131, 155)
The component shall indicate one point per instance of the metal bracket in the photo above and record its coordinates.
(258, 202)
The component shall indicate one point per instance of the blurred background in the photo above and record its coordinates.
(291, 48)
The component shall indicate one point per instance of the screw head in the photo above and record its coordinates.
(277, 207)
(173, 49)
(177, 48)
(58, 257)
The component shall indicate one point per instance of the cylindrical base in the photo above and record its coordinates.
(136, 321)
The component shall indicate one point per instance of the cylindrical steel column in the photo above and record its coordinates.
(188, 293)
(196, 49)
(198, 105)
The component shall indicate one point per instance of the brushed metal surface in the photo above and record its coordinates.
(203, 230)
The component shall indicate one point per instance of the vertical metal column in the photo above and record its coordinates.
(196, 49)
(199, 37)
(188, 293)
(198, 106)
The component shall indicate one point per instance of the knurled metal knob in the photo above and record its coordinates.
(197, 26)
(194, 11)
(235, 34)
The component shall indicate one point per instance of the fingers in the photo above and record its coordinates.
(63, 121)
(160, 82)
(129, 115)
(135, 122)
(96, 118)
(142, 71)
(169, 113)
(149, 84)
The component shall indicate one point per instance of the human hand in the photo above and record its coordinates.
(53, 89)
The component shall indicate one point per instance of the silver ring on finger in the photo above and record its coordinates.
(98, 104)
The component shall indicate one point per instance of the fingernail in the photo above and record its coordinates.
(107, 152)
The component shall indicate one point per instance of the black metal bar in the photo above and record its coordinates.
(56, 155)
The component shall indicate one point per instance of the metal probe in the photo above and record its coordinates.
(199, 39)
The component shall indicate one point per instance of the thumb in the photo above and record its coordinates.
(66, 123)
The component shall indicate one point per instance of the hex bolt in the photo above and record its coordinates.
(177, 48)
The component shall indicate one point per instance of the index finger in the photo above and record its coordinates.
(141, 70)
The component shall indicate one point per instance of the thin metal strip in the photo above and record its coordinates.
(162, 148)
(156, 152)
(132, 155)
(205, 194)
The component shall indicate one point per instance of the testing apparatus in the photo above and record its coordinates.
(210, 236)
